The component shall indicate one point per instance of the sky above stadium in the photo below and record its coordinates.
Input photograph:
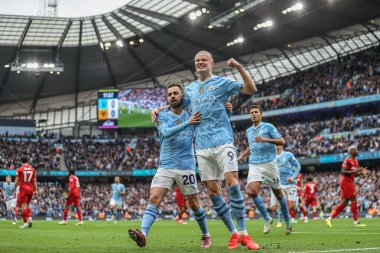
(66, 8)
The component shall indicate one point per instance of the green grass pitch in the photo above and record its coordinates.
(137, 118)
(168, 236)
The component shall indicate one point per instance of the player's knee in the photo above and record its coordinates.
(154, 199)
(212, 192)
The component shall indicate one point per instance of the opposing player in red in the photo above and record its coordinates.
(26, 178)
(350, 169)
(300, 197)
(310, 192)
(73, 198)
(181, 203)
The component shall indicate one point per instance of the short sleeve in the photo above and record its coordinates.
(274, 133)
(233, 86)
(161, 120)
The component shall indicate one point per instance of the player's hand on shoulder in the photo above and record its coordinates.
(260, 139)
(153, 115)
(195, 118)
(233, 63)
(228, 106)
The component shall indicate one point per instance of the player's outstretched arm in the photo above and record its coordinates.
(279, 141)
(244, 155)
(16, 183)
(248, 86)
(170, 131)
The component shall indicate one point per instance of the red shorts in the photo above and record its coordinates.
(311, 201)
(73, 200)
(181, 201)
(348, 190)
(24, 197)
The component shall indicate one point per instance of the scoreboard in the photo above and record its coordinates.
(108, 109)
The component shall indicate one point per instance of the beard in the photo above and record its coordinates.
(178, 104)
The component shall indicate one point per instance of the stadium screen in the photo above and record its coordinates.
(128, 108)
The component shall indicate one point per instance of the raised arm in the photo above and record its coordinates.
(248, 86)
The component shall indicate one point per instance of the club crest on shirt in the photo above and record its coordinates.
(178, 122)
(211, 88)
(201, 90)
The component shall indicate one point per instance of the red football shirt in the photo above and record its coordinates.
(349, 164)
(74, 186)
(26, 176)
(299, 184)
(310, 190)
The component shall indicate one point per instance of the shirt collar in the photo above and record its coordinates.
(257, 126)
(206, 80)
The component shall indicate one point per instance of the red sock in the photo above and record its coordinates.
(79, 215)
(354, 209)
(315, 214)
(25, 215)
(337, 210)
(65, 214)
(303, 211)
(292, 213)
(29, 212)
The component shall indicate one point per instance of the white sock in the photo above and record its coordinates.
(243, 232)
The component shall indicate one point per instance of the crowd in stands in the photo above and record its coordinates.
(89, 154)
(306, 139)
(41, 154)
(95, 197)
(347, 77)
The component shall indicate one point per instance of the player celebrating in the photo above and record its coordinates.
(26, 177)
(310, 191)
(300, 197)
(177, 165)
(73, 198)
(350, 169)
(10, 198)
(116, 203)
(181, 203)
(288, 168)
(262, 138)
(215, 151)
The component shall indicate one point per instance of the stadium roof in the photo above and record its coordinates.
(90, 47)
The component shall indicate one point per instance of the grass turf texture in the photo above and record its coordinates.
(137, 118)
(168, 236)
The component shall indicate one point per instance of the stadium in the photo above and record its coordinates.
(213, 125)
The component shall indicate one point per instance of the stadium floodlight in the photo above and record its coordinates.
(210, 27)
(235, 41)
(192, 15)
(36, 67)
(107, 44)
(131, 42)
(204, 10)
(119, 43)
(227, 16)
(141, 40)
(6, 66)
(267, 23)
(296, 7)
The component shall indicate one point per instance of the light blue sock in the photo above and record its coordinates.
(284, 209)
(14, 216)
(237, 206)
(200, 216)
(279, 215)
(149, 217)
(259, 203)
(113, 212)
(223, 211)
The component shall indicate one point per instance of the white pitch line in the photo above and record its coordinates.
(335, 250)
(352, 233)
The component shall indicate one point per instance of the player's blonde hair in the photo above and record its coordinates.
(205, 52)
